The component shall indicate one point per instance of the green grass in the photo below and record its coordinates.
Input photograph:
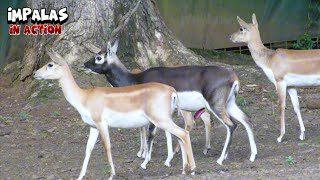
(273, 96)
(56, 114)
(290, 160)
(241, 101)
(23, 115)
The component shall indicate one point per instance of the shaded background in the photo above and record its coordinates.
(11, 47)
(208, 24)
(202, 23)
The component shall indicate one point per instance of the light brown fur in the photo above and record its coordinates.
(95, 101)
(289, 68)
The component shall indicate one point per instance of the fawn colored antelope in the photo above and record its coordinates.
(198, 87)
(286, 69)
(126, 107)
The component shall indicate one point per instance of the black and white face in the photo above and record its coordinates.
(97, 64)
(102, 61)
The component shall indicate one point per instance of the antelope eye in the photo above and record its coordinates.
(241, 29)
(50, 65)
(98, 58)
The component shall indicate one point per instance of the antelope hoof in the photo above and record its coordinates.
(79, 178)
(205, 151)
(302, 136)
(167, 163)
(219, 161)
(279, 139)
(144, 155)
(139, 154)
(176, 151)
(252, 157)
(143, 165)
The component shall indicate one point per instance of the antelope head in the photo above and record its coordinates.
(54, 69)
(247, 31)
(103, 60)
(106, 56)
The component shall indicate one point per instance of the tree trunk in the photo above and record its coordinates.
(145, 42)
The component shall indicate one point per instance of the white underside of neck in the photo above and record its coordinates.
(268, 71)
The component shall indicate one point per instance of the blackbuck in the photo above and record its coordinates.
(286, 69)
(212, 87)
(189, 122)
(198, 87)
(124, 107)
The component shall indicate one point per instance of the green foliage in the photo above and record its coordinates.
(243, 104)
(290, 160)
(304, 42)
(272, 95)
(56, 114)
(314, 14)
(23, 115)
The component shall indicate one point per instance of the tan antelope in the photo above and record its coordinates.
(286, 69)
(125, 107)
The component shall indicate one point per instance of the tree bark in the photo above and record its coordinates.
(144, 43)
(147, 41)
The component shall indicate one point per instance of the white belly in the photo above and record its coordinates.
(191, 100)
(302, 80)
(129, 120)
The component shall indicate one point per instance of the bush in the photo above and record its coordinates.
(304, 42)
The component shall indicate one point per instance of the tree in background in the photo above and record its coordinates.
(144, 42)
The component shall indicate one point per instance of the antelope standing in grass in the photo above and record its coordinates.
(286, 69)
(125, 107)
(198, 87)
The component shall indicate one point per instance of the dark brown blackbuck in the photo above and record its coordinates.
(211, 87)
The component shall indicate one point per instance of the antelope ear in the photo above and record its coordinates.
(109, 47)
(242, 22)
(254, 20)
(114, 48)
(55, 57)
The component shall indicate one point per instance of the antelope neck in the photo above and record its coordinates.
(119, 77)
(72, 92)
(259, 52)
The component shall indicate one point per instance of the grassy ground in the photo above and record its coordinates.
(44, 138)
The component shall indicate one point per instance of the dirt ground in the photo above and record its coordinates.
(44, 138)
